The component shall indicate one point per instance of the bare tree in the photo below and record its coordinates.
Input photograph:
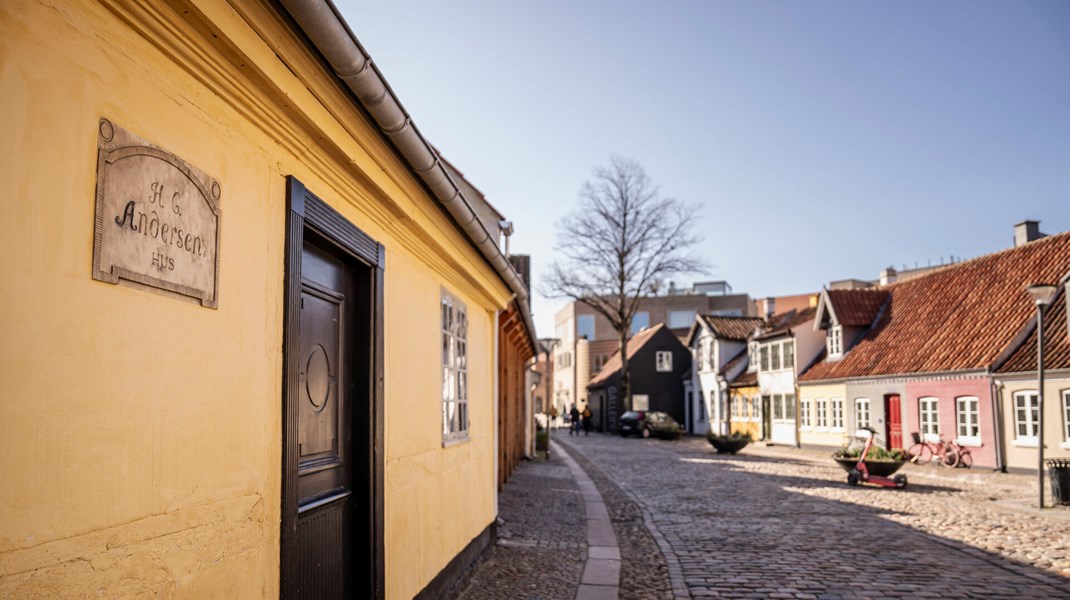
(622, 241)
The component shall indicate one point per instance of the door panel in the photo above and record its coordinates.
(326, 406)
(893, 415)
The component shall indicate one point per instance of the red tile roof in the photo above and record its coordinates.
(634, 344)
(856, 308)
(782, 322)
(959, 317)
(745, 379)
(1056, 342)
(732, 328)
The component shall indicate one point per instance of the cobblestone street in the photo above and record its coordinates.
(775, 522)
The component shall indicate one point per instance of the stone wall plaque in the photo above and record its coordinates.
(157, 218)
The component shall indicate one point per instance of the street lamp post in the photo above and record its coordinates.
(1042, 293)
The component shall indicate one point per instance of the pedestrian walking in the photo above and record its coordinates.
(574, 426)
(586, 421)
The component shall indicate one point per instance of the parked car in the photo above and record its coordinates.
(645, 423)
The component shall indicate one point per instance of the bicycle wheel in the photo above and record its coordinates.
(950, 459)
(920, 454)
(965, 459)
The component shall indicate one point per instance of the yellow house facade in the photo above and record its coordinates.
(310, 364)
(823, 415)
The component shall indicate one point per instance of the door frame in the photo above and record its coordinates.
(306, 212)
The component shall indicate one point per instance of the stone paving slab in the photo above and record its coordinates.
(601, 571)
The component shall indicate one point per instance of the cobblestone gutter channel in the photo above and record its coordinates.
(645, 572)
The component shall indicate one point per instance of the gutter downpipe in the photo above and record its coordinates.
(997, 414)
(329, 33)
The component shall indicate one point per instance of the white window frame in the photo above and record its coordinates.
(755, 409)
(774, 357)
(822, 421)
(663, 361)
(454, 332)
(789, 348)
(973, 415)
(929, 418)
(805, 420)
(1030, 404)
(836, 422)
(834, 341)
(863, 407)
(1066, 419)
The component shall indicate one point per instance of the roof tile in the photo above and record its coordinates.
(960, 317)
(856, 308)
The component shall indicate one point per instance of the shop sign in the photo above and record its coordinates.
(157, 218)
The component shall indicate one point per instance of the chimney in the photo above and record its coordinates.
(888, 276)
(672, 288)
(768, 307)
(522, 264)
(1027, 231)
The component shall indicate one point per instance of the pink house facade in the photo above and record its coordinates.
(957, 408)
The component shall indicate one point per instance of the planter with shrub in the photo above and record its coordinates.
(879, 461)
(729, 444)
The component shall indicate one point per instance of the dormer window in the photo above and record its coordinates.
(834, 341)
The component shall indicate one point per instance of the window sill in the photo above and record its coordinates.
(454, 441)
(1024, 442)
(821, 429)
(837, 429)
(971, 442)
(805, 428)
(1065, 445)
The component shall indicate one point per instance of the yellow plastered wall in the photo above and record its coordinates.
(814, 435)
(1022, 454)
(140, 434)
(750, 421)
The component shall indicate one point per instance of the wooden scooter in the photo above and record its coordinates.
(860, 473)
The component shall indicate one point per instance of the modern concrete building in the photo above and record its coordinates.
(586, 340)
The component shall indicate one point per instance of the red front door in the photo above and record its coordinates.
(893, 416)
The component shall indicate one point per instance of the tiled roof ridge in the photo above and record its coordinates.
(960, 318)
(1048, 239)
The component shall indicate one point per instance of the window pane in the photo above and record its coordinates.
(678, 319)
(775, 357)
(1066, 415)
(765, 358)
(585, 326)
(640, 321)
(789, 355)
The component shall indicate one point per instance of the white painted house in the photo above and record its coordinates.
(787, 345)
(718, 347)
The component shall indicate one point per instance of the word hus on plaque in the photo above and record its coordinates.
(157, 218)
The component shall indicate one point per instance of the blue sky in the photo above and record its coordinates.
(824, 140)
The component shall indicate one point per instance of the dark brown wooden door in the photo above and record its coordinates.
(893, 416)
(326, 453)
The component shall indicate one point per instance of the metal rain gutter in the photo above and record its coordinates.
(329, 33)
